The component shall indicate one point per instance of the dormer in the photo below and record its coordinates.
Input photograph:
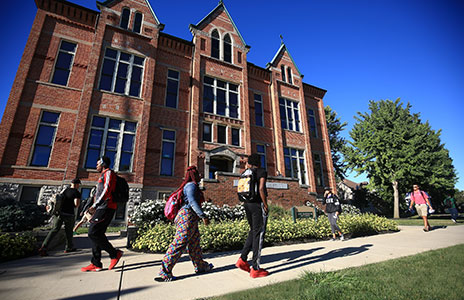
(284, 67)
(219, 38)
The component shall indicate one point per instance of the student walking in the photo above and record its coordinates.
(421, 200)
(103, 210)
(333, 210)
(71, 199)
(252, 191)
(187, 233)
(450, 204)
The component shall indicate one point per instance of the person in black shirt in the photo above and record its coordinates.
(333, 209)
(256, 210)
(71, 199)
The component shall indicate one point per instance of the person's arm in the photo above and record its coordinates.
(77, 202)
(106, 190)
(190, 193)
(411, 197)
(262, 193)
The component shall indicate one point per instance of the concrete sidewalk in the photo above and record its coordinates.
(58, 276)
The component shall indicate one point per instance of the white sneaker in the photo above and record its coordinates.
(453, 220)
(342, 238)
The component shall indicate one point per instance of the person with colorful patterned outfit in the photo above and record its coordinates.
(187, 233)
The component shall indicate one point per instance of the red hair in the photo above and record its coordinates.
(191, 175)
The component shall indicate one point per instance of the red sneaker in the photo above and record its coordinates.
(258, 273)
(243, 265)
(115, 261)
(91, 268)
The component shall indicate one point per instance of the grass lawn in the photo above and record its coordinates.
(437, 274)
(434, 220)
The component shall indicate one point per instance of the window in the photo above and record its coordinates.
(172, 88)
(235, 136)
(215, 44)
(222, 136)
(289, 114)
(312, 122)
(113, 138)
(220, 97)
(137, 22)
(125, 18)
(227, 48)
(64, 63)
(121, 73)
(261, 151)
(259, 118)
(44, 139)
(289, 73)
(168, 151)
(282, 68)
(295, 164)
(318, 169)
(30, 194)
(207, 132)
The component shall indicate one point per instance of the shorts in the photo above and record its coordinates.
(421, 210)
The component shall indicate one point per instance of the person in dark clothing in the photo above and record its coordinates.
(333, 210)
(256, 210)
(103, 210)
(71, 199)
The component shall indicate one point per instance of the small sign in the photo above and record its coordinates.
(270, 185)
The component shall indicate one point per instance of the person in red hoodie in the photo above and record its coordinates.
(103, 210)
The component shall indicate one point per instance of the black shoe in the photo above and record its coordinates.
(43, 252)
(70, 250)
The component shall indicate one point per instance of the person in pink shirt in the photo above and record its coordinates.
(421, 200)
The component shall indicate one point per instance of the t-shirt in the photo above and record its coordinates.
(261, 173)
(68, 202)
(418, 197)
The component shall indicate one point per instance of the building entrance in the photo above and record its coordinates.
(222, 164)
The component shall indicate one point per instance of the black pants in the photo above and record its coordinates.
(98, 225)
(255, 240)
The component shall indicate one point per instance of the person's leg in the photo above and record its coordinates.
(57, 222)
(249, 241)
(100, 241)
(194, 249)
(257, 232)
(454, 214)
(333, 224)
(68, 228)
(177, 246)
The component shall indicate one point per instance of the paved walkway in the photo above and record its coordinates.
(58, 276)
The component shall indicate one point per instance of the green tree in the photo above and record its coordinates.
(396, 150)
(337, 143)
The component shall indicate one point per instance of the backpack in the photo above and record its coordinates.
(173, 204)
(247, 188)
(121, 191)
(55, 204)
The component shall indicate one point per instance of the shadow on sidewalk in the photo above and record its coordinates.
(104, 295)
(293, 264)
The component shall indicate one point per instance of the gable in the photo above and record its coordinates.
(142, 6)
(283, 57)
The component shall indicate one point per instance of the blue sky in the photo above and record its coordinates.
(357, 50)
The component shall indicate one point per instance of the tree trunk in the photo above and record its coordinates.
(396, 200)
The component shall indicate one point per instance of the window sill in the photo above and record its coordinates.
(210, 116)
(130, 32)
(55, 85)
(288, 84)
(117, 94)
(299, 132)
(225, 63)
(37, 168)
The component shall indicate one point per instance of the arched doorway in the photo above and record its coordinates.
(220, 163)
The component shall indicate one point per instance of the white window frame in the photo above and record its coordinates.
(226, 132)
(72, 61)
(263, 154)
(322, 169)
(36, 136)
(219, 40)
(239, 136)
(289, 75)
(298, 157)
(312, 115)
(173, 155)
(227, 90)
(292, 108)
(141, 22)
(222, 48)
(121, 131)
(262, 108)
(129, 72)
(128, 20)
(178, 87)
(203, 132)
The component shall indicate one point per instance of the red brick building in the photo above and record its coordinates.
(110, 82)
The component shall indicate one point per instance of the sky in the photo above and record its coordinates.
(357, 50)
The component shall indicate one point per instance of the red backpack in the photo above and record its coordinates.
(173, 205)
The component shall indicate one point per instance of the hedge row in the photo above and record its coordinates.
(16, 245)
(231, 235)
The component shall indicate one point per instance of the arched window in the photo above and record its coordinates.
(215, 44)
(125, 18)
(289, 72)
(282, 68)
(137, 22)
(227, 48)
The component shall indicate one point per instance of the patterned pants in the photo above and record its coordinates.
(187, 237)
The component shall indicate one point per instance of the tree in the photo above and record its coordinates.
(337, 143)
(397, 150)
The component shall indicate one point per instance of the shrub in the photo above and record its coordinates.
(17, 245)
(221, 236)
(18, 216)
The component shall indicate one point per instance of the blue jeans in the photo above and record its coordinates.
(454, 213)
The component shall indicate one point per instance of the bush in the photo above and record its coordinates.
(18, 216)
(17, 245)
(232, 234)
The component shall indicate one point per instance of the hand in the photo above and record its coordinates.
(92, 210)
(266, 209)
(206, 221)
